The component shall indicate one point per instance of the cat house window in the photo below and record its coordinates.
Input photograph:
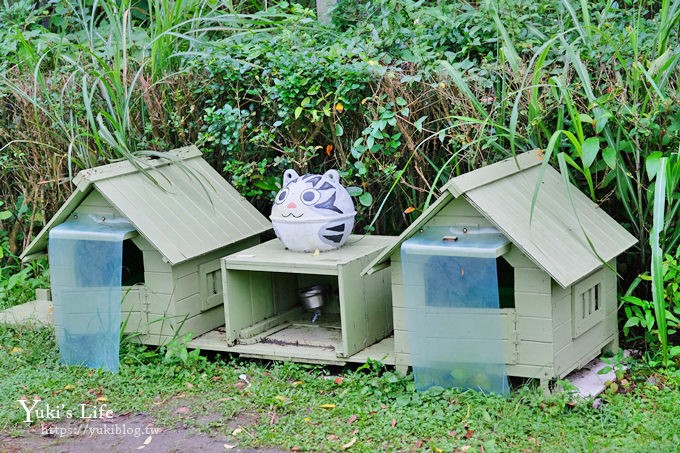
(587, 309)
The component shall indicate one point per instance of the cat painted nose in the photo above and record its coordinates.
(291, 206)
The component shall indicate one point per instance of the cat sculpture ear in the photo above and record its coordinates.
(288, 176)
(332, 175)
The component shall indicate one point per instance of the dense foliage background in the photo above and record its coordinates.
(399, 95)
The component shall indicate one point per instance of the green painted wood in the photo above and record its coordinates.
(377, 294)
(191, 305)
(153, 261)
(158, 303)
(491, 173)
(268, 277)
(269, 323)
(262, 298)
(210, 284)
(530, 304)
(284, 290)
(533, 281)
(238, 301)
(353, 310)
(383, 352)
(123, 167)
(582, 349)
(161, 283)
(272, 256)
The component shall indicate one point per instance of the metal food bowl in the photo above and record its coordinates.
(313, 297)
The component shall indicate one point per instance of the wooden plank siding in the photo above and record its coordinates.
(571, 353)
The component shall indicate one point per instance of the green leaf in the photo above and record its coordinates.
(339, 130)
(590, 148)
(585, 118)
(419, 123)
(298, 112)
(652, 164)
(354, 191)
(609, 156)
(4, 215)
(366, 199)
(401, 102)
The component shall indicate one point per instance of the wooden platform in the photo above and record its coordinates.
(300, 343)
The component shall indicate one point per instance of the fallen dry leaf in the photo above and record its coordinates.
(465, 448)
(15, 350)
(69, 387)
(182, 410)
(295, 448)
(296, 383)
(102, 399)
(327, 406)
(190, 385)
(352, 419)
(148, 440)
(316, 252)
(228, 446)
(394, 422)
(350, 443)
(409, 210)
(469, 433)
(236, 432)
(338, 380)
(216, 378)
(332, 437)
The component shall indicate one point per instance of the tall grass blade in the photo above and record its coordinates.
(657, 258)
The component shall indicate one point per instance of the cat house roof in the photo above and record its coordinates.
(555, 238)
(179, 204)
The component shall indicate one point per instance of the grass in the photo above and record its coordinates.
(293, 406)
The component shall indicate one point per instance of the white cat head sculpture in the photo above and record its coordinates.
(312, 212)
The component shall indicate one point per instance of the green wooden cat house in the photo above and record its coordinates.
(558, 301)
(183, 223)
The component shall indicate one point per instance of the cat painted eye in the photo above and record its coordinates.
(281, 196)
(310, 196)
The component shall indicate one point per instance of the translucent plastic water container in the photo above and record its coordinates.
(85, 270)
(455, 329)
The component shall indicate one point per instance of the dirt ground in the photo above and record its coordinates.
(123, 433)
